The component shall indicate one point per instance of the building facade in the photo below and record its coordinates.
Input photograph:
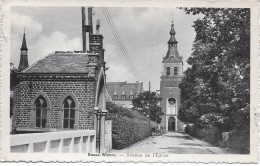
(122, 93)
(60, 91)
(172, 75)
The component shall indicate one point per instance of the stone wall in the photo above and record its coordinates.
(55, 91)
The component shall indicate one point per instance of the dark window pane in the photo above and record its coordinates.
(71, 124)
(66, 123)
(72, 113)
(38, 122)
(72, 104)
(168, 71)
(38, 104)
(66, 104)
(44, 113)
(44, 105)
(66, 113)
(38, 113)
(44, 123)
(175, 70)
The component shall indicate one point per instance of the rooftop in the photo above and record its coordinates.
(61, 62)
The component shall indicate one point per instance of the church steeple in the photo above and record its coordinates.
(24, 46)
(172, 53)
(24, 56)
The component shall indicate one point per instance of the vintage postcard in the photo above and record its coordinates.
(129, 81)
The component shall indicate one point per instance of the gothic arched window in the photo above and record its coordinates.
(41, 112)
(175, 71)
(69, 113)
(168, 71)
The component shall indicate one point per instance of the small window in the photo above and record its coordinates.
(123, 97)
(131, 96)
(69, 113)
(175, 71)
(168, 71)
(115, 97)
(41, 112)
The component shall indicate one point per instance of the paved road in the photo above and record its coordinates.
(172, 142)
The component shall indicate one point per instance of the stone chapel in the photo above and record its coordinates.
(60, 91)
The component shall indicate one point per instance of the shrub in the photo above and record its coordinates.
(238, 140)
(210, 134)
(128, 126)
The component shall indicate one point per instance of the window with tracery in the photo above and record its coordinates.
(69, 113)
(41, 112)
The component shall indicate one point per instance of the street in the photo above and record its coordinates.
(172, 142)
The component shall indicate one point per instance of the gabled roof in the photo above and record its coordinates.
(60, 62)
(124, 88)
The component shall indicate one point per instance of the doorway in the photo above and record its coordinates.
(171, 124)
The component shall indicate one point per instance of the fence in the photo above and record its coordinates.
(77, 141)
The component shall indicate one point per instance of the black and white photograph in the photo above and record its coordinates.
(131, 83)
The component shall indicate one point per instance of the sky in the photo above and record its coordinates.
(144, 32)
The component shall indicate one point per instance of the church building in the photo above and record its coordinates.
(60, 91)
(172, 75)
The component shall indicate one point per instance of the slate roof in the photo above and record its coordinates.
(172, 53)
(124, 88)
(60, 62)
(24, 46)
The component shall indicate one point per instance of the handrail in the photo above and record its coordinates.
(76, 140)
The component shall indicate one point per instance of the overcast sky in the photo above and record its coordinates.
(144, 32)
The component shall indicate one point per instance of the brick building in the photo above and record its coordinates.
(122, 93)
(169, 85)
(60, 91)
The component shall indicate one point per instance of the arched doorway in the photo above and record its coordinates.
(171, 124)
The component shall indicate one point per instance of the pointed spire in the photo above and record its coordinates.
(172, 53)
(172, 38)
(24, 46)
(24, 57)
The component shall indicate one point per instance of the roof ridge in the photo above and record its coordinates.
(52, 53)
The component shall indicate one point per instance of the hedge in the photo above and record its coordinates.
(237, 140)
(208, 134)
(128, 126)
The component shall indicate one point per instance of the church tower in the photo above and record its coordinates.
(169, 86)
(24, 56)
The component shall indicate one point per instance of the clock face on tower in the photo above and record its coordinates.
(171, 92)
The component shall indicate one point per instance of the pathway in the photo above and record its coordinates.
(172, 142)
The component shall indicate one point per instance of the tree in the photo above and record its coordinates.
(216, 89)
(142, 104)
(13, 76)
(13, 83)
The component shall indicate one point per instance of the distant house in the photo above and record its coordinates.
(122, 93)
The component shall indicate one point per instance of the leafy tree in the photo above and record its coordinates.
(13, 83)
(13, 76)
(142, 104)
(216, 89)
